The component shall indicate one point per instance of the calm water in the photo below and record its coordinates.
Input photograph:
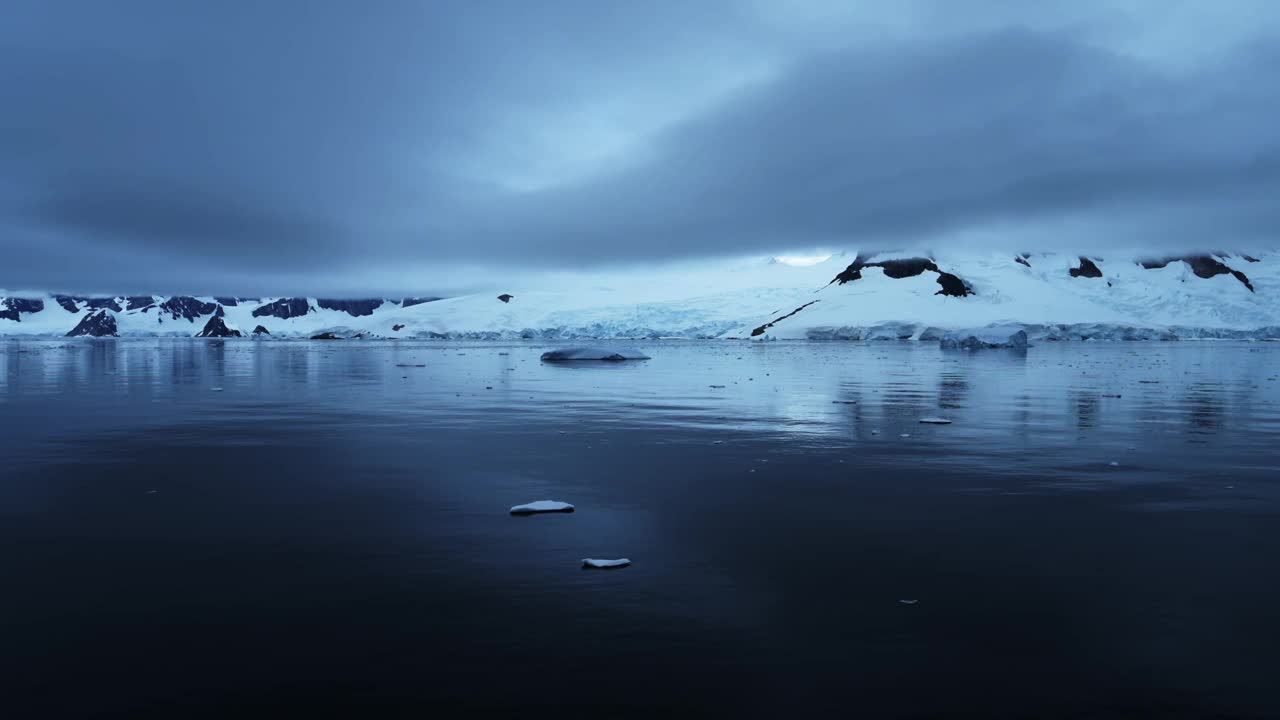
(305, 529)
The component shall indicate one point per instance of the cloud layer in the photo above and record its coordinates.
(234, 146)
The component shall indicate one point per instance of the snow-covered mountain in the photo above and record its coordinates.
(847, 296)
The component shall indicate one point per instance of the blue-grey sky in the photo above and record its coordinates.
(258, 147)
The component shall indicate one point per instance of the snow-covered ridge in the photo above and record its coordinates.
(899, 295)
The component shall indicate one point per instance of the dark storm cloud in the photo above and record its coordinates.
(243, 142)
(884, 147)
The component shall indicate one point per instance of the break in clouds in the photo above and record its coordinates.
(252, 147)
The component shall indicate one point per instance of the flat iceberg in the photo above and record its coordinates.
(590, 353)
(999, 336)
(541, 506)
(605, 564)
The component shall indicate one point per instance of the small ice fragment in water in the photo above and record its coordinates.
(875, 432)
(908, 602)
(150, 492)
(215, 389)
(905, 435)
(588, 353)
(541, 506)
(717, 442)
(718, 387)
(1113, 463)
(935, 421)
(605, 564)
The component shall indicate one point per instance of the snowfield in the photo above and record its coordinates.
(761, 299)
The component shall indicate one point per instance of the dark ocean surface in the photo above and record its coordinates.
(309, 529)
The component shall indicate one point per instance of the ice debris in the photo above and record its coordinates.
(541, 506)
(605, 564)
(590, 353)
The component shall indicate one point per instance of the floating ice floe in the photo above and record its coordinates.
(935, 421)
(541, 506)
(1000, 336)
(589, 354)
(905, 435)
(1113, 463)
(605, 564)
(908, 602)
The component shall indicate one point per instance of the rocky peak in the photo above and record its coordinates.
(97, 324)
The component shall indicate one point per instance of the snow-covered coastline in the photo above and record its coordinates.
(887, 296)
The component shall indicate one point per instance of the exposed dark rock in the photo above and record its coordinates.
(1087, 269)
(228, 301)
(1021, 260)
(217, 327)
(506, 297)
(397, 327)
(259, 330)
(138, 301)
(354, 308)
(952, 285)
(1204, 266)
(71, 303)
(187, 307)
(410, 302)
(849, 274)
(760, 330)
(14, 307)
(904, 268)
(325, 336)
(103, 303)
(220, 312)
(284, 308)
(97, 324)
(1250, 258)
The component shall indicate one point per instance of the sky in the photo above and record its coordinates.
(349, 147)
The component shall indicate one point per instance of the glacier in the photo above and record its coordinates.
(848, 296)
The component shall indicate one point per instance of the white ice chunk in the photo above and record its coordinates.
(935, 421)
(541, 506)
(591, 353)
(605, 564)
